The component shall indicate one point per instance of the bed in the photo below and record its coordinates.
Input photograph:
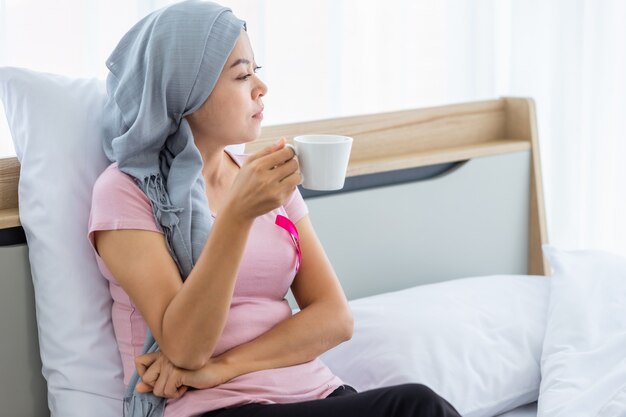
(437, 239)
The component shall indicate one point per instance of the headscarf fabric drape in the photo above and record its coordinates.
(163, 69)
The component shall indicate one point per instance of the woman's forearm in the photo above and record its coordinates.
(195, 318)
(299, 339)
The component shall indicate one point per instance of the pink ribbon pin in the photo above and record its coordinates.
(288, 225)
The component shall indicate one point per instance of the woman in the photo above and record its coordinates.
(221, 338)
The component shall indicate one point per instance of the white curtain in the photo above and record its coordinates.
(570, 56)
(330, 58)
(583, 90)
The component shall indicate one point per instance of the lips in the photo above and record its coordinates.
(258, 115)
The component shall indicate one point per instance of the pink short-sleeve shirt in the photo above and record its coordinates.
(265, 275)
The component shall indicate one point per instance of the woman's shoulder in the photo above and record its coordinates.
(116, 192)
(113, 183)
(118, 203)
(112, 176)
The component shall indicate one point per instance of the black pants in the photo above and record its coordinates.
(408, 400)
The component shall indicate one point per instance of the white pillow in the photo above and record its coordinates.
(475, 341)
(54, 122)
(583, 364)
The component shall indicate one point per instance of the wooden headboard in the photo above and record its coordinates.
(403, 140)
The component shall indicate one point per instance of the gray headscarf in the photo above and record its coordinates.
(163, 69)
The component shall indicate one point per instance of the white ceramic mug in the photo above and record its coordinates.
(323, 160)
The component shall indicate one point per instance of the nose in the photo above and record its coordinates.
(260, 89)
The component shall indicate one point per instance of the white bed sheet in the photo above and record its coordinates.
(528, 410)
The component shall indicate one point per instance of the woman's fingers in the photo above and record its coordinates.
(151, 374)
(169, 384)
(143, 362)
(143, 387)
(266, 151)
(286, 169)
(173, 387)
(160, 383)
(182, 390)
(276, 158)
(159, 376)
(292, 180)
(272, 156)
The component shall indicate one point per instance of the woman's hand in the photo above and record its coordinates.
(159, 376)
(164, 379)
(264, 182)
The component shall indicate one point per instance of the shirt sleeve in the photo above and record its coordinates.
(118, 203)
(295, 207)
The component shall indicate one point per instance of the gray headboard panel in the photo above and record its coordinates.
(399, 236)
(23, 391)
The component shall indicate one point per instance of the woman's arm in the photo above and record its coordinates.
(141, 263)
(175, 312)
(324, 321)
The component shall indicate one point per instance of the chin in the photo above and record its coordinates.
(254, 135)
(249, 133)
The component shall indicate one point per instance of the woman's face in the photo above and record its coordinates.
(234, 110)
